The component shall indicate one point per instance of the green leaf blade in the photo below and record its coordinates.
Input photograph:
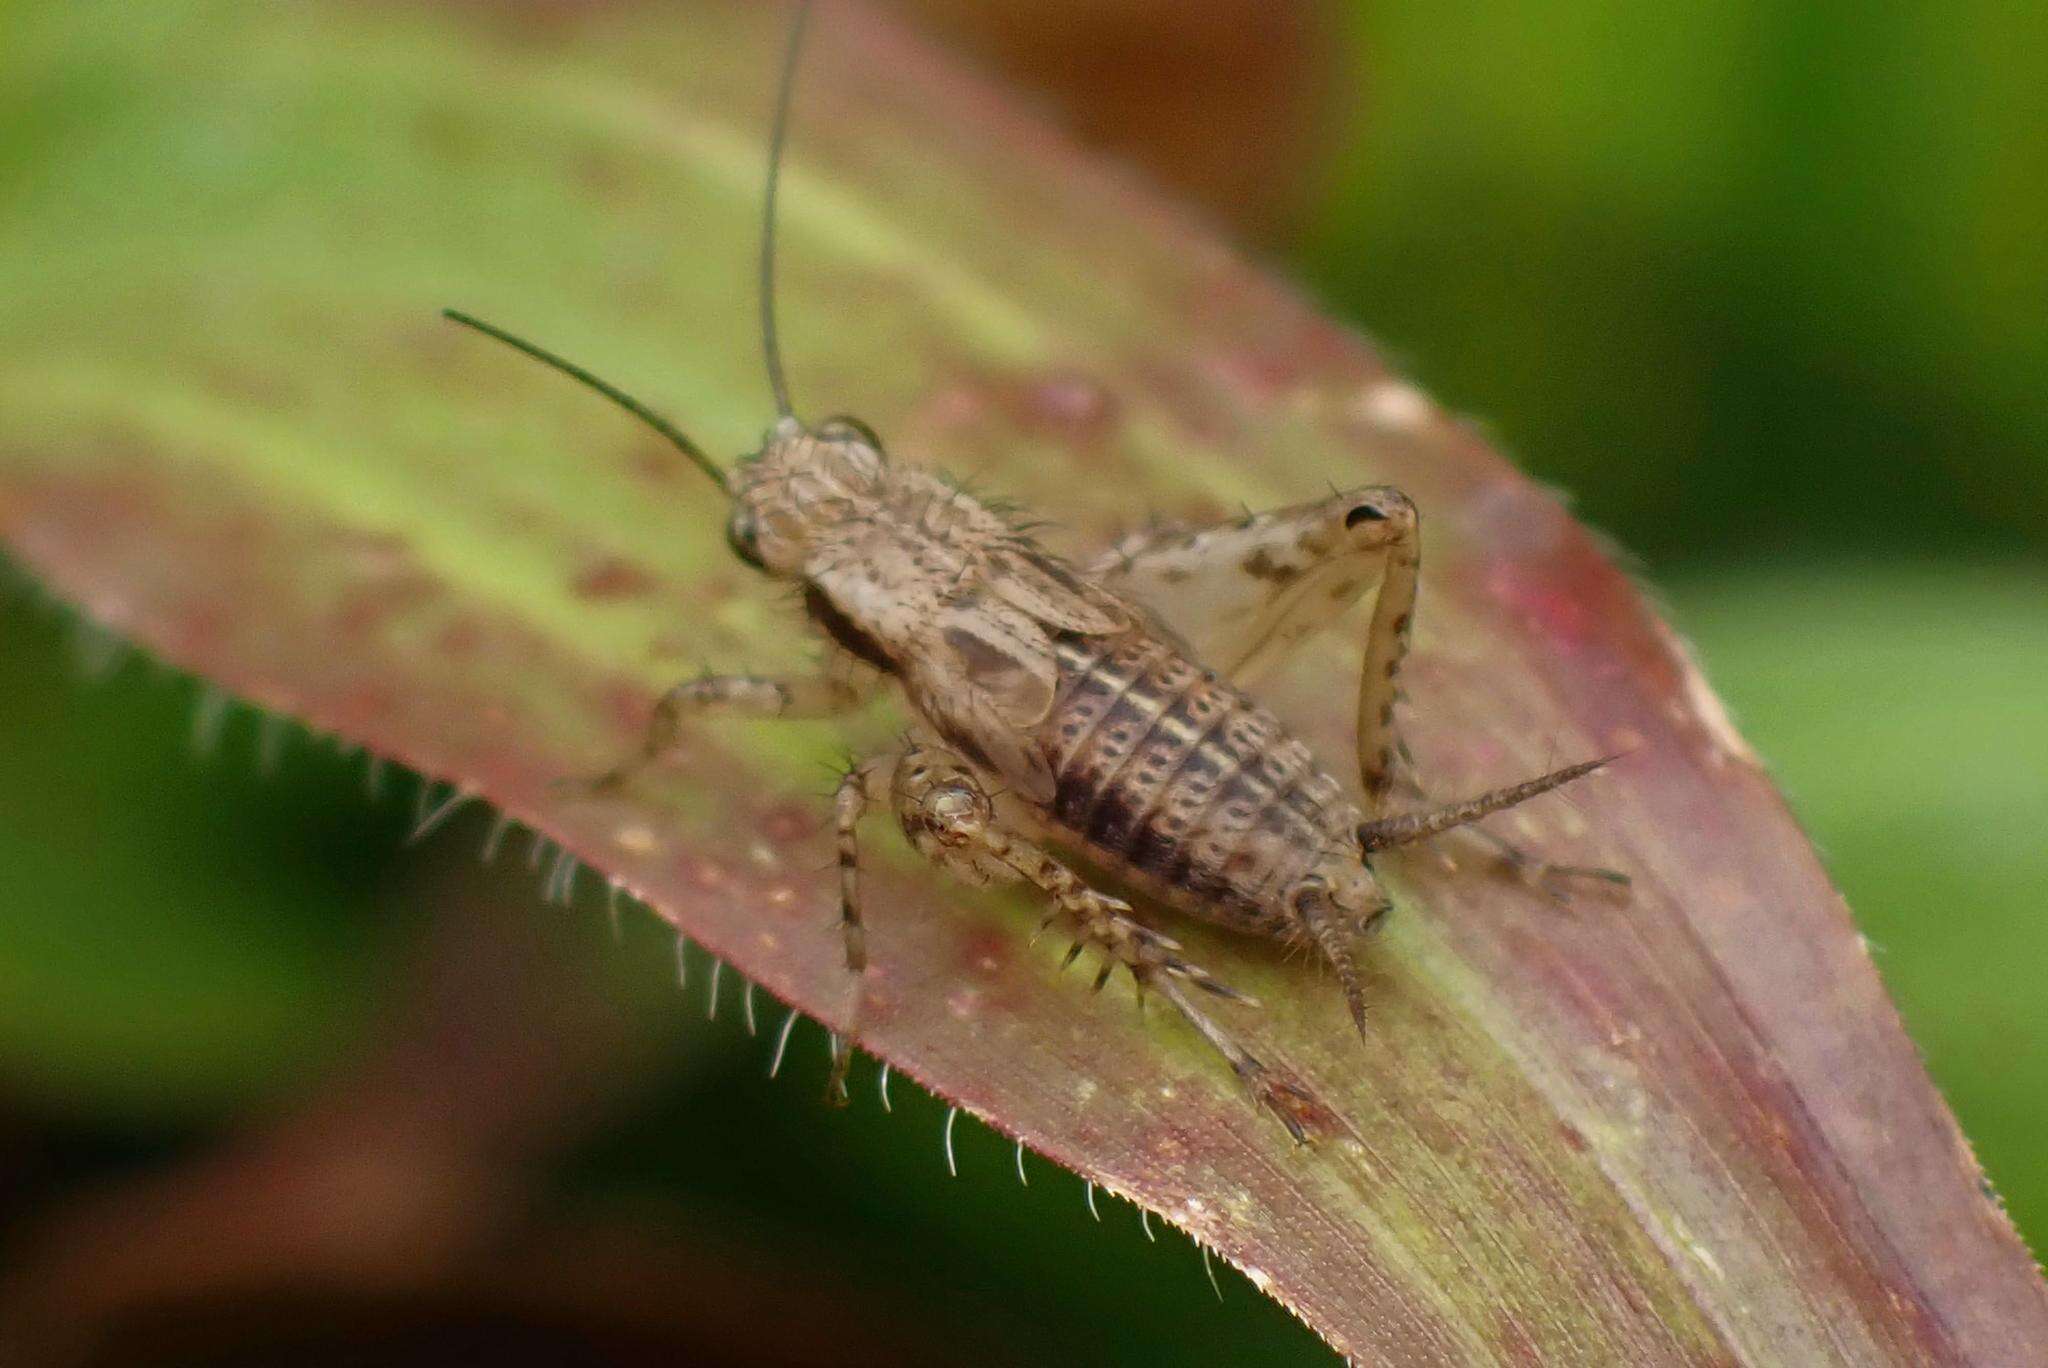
(1687, 1130)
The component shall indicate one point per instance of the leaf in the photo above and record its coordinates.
(1689, 1129)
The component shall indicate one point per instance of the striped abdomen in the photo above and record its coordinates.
(1171, 776)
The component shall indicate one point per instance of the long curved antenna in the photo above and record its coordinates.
(609, 391)
(771, 339)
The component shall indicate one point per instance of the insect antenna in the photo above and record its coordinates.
(771, 338)
(610, 391)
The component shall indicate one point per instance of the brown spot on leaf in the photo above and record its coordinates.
(1060, 405)
(1066, 404)
(602, 171)
(367, 611)
(986, 953)
(627, 706)
(787, 823)
(612, 578)
(654, 461)
(460, 637)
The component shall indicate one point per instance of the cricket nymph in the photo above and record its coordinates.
(1100, 709)
(1093, 718)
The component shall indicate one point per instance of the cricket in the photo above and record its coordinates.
(1085, 726)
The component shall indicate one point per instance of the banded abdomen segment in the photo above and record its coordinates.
(1169, 775)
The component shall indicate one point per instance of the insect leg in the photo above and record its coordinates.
(839, 688)
(950, 818)
(1487, 849)
(1243, 594)
(861, 786)
(1450, 826)
(1539, 873)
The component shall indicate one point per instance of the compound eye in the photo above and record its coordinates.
(843, 426)
(1364, 513)
(742, 538)
(1309, 896)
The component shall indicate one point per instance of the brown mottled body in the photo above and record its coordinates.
(1182, 785)
(1091, 716)
(1053, 707)
(1098, 711)
(1102, 710)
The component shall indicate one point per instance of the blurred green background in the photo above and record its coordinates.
(1762, 284)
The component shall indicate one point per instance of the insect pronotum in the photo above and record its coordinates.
(1080, 724)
